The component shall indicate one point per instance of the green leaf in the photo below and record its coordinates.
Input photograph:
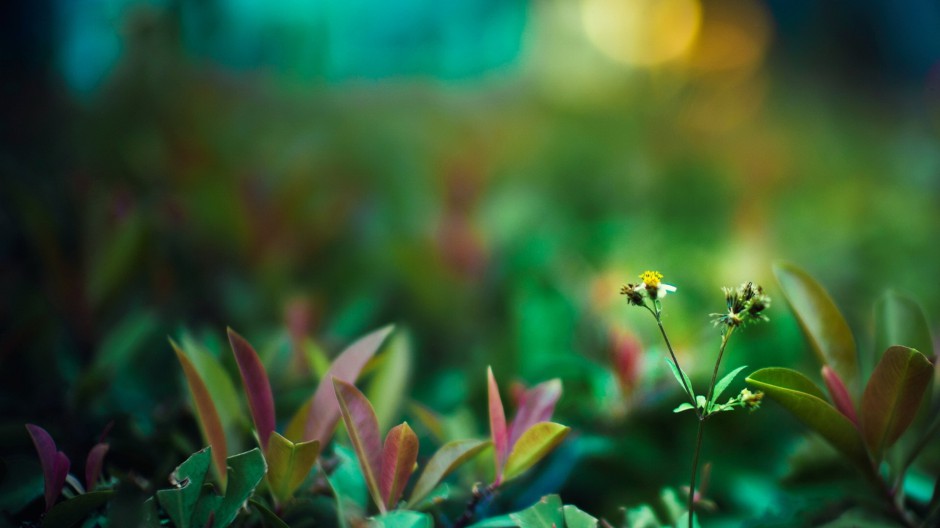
(349, 486)
(402, 519)
(892, 396)
(901, 321)
(796, 393)
(389, 384)
(683, 521)
(70, 512)
(575, 518)
(217, 380)
(268, 518)
(208, 416)
(724, 382)
(289, 464)
(180, 503)
(448, 458)
(546, 513)
(501, 521)
(821, 321)
(686, 406)
(681, 376)
(245, 471)
(535, 443)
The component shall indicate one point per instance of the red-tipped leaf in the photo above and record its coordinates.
(538, 404)
(208, 416)
(93, 465)
(839, 394)
(363, 429)
(497, 425)
(398, 462)
(257, 386)
(55, 465)
(317, 420)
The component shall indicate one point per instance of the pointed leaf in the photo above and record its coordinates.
(498, 431)
(180, 503)
(257, 386)
(821, 321)
(901, 321)
(546, 513)
(363, 429)
(93, 465)
(289, 464)
(245, 471)
(796, 393)
(443, 463)
(681, 377)
(78, 508)
(538, 441)
(218, 382)
(840, 394)
(55, 465)
(322, 414)
(389, 385)
(538, 406)
(398, 462)
(892, 396)
(725, 381)
(686, 406)
(575, 518)
(206, 412)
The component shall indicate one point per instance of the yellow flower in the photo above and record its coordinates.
(653, 284)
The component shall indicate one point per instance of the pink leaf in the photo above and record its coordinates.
(55, 465)
(538, 406)
(840, 394)
(324, 410)
(363, 429)
(257, 386)
(398, 462)
(93, 465)
(497, 425)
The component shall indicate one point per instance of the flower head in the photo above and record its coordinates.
(654, 286)
(750, 399)
(746, 304)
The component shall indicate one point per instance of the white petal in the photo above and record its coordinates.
(668, 287)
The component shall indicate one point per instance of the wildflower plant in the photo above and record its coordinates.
(745, 305)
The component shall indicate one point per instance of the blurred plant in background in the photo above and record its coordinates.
(481, 173)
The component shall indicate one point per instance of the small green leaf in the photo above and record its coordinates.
(575, 518)
(725, 381)
(821, 320)
(289, 464)
(892, 396)
(901, 321)
(245, 471)
(546, 513)
(683, 407)
(796, 393)
(535, 443)
(70, 512)
(445, 460)
(681, 377)
(389, 384)
(402, 519)
(180, 503)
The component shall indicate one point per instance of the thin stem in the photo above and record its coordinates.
(701, 424)
(477, 497)
(675, 361)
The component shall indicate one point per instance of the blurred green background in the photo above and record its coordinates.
(485, 174)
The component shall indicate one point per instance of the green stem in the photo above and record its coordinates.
(688, 389)
(701, 424)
